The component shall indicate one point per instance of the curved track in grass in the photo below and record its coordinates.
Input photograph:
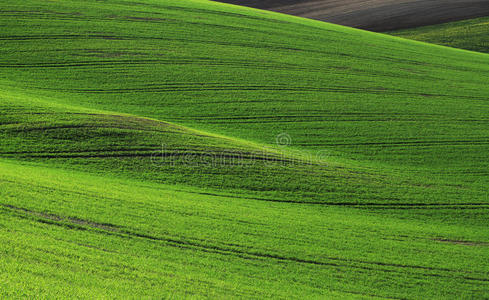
(194, 149)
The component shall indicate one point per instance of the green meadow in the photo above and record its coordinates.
(192, 149)
(467, 34)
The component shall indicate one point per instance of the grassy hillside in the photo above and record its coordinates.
(469, 34)
(67, 233)
(190, 148)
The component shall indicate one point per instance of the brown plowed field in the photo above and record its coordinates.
(376, 15)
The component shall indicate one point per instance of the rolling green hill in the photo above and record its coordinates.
(468, 34)
(198, 149)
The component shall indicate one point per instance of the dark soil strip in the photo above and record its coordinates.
(376, 15)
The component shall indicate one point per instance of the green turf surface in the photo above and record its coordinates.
(468, 34)
(136, 239)
(196, 149)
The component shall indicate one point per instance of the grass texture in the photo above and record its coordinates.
(468, 34)
(171, 149)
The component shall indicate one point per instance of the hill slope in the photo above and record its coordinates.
(375, 15)
(197, 149)
(467, 34)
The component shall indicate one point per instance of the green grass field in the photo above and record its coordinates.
(191, 149)
(468, 34)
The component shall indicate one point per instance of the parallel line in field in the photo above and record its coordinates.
(306, 36)
(175, 88)
(273, 46)
(155, 154)
(126, 38)
(315, 120)
(22, 128)
(196, 87)
(269, 46)
(360, 205)
(111, 229)
(403, 143)
(176, 61)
